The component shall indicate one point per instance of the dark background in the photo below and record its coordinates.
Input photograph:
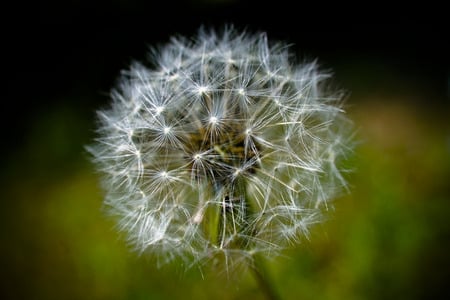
(74, 50)
(388, 239)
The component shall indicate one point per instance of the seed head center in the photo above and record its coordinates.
(227, 152)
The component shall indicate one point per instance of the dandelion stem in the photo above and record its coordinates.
(261, 275)
(258, 268)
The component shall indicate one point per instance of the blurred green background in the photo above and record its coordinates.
(389, 238)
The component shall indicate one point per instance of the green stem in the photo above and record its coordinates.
(261, 275)
(214, 224)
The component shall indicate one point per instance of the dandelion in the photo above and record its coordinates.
(225, 148)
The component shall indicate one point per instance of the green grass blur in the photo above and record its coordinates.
(386, 239)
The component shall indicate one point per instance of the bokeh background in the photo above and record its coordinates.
(387, 239)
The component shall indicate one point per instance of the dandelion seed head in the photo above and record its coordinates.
(227, 147)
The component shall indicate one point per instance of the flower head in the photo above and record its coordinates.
(223, 147)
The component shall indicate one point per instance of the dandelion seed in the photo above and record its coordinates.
(226, 148)
(159, 110)
(166, 130)
(202, 90)
(213, 120)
